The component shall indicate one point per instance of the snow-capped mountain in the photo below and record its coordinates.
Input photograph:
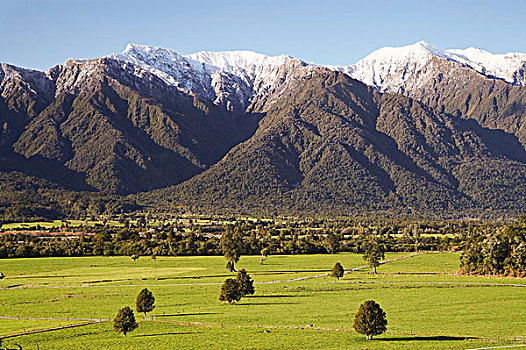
(232, 78)
(389, 68)
(511, 66)
(236, 78)
(253, 68)
(302, 136)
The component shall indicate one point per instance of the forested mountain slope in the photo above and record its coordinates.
(433, 133)
(330, 144)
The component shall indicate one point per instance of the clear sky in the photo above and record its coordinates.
(42, 33)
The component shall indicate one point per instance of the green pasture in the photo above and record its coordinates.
(22, 225)
(56, 224)
(164, 270)
(152, 335)
(8, 327)
(428, 306)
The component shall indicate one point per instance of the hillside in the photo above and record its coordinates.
(435, 133)
(329, 144)
(112, 130)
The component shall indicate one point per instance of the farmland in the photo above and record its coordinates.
(427, 305)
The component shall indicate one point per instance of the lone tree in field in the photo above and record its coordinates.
(373, 253)
(232, 246)
(337, 270)
(145, 301)
(124, 322)
(230, 291)
(370, 319)
(245, 283)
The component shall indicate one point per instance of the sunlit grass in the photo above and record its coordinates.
(421, 295)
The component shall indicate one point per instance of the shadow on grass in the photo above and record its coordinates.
(107, 281)
(277, 296)
(421, 273)
(264, 304)
(46, 276)
(189, 277)
(11, 286)
(277, 272)
(429, 338)
(189, 314)
(160, 334)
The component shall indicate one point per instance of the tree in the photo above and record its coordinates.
(230, 291)
(245, 283)
(337, 270)
(232, 245)
(370, 319)
(374, 252)
(145, 301)
(264, 253)
(331, 242)
(124, 322)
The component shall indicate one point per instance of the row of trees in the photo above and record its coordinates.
(232, 241)
(172, 240)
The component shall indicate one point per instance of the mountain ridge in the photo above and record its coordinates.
(247, 132)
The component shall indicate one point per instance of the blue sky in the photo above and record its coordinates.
(42, 33)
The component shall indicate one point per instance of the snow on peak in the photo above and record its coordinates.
(255, 70)
(419, 51)
(389, 68)
(235, 78)
(511, 66)
(224, 77)
(232, 60)
(173, 68)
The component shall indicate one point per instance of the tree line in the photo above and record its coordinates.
(497, 251)
(126, 242)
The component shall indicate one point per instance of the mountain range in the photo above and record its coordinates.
(413, 129)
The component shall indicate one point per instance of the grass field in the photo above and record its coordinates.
(56, 224)
(427, 305)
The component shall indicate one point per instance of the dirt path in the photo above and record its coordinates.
(54, 319)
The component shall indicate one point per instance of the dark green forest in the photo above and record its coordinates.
(318, 144)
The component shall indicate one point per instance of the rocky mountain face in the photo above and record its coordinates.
(121, 128)
(231, 78)
(423, 130)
